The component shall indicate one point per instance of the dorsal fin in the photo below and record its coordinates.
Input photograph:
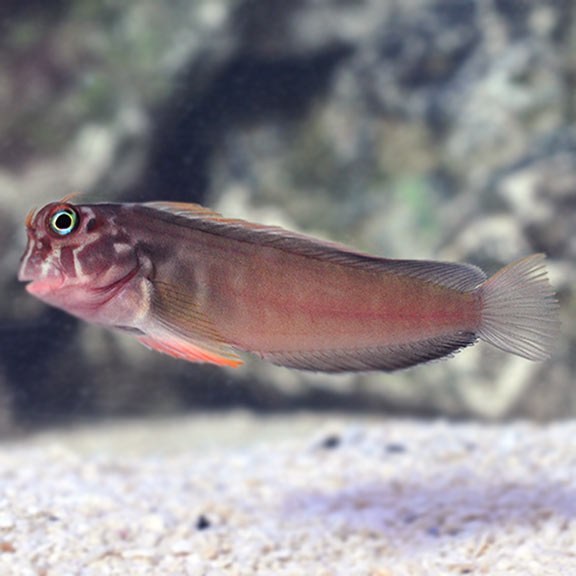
(462, 277)
(185, 209)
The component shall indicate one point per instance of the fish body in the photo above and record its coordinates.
(188, 282)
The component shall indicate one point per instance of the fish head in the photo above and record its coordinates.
(77, 256)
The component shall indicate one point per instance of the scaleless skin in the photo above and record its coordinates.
(196, 285)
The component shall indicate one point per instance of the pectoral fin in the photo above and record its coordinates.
(182, 330)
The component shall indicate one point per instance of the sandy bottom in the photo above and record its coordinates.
(298, 496)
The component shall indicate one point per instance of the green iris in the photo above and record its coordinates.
(64, 221)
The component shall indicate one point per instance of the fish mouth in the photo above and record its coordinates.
(37, 283)
(40, 288)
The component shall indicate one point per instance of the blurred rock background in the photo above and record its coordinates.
(408, 128)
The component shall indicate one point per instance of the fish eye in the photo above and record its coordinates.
(64, 221)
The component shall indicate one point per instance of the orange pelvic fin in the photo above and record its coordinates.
(187, 351)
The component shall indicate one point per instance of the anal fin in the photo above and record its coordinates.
(385, 358)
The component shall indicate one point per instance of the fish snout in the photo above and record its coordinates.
(38, 263)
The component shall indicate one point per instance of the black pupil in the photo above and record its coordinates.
(63, 221)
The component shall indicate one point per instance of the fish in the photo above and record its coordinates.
(193, 284)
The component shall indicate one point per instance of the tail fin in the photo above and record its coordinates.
(519, 309)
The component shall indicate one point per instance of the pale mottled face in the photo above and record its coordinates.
(75, 255)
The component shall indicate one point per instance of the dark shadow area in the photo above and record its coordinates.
(13, 11)
(246, 91)
(27, 355)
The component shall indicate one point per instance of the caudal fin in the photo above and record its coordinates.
(519, 309)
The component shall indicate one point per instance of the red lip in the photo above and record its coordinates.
(41, 287)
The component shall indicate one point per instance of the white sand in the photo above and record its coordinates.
(290, 496)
